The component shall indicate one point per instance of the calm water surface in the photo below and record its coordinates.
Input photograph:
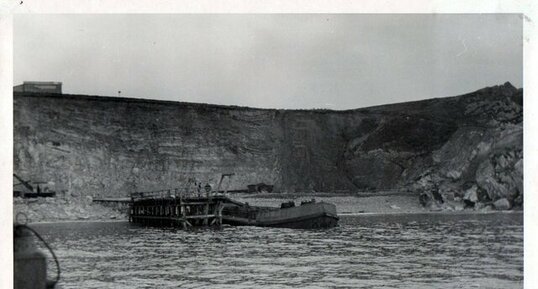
(395, 251)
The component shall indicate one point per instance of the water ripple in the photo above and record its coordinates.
(407, 251)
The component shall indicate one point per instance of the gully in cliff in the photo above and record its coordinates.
(185, 208)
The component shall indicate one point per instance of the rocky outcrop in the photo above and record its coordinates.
(482, 162)
(465, 149)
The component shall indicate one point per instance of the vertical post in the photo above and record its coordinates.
(173, 214)
(161, 211)
(206, 209)
(218, 213)
(182, 211)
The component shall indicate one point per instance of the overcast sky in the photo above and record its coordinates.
(272, 61)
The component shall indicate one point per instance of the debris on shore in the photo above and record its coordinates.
(65, 209)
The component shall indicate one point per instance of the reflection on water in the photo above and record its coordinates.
(396, 251)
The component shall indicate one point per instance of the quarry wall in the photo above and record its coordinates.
(106, 146)
(111, 146)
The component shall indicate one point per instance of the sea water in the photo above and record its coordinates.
(364, 251)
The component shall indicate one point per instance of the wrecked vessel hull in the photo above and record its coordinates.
(305, 216)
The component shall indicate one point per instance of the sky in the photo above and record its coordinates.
(332, 61)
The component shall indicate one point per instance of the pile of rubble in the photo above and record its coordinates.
(64, 209)
(497, 184)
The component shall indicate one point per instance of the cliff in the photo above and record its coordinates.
(91, 145)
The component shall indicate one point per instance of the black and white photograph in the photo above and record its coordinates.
(263, 150)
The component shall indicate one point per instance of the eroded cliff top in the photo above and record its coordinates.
(506, 90)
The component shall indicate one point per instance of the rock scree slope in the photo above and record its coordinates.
(465, 148)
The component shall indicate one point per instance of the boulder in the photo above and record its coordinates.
(449, 191)
(447, 207)
(502, 162)
(425, 199)
(453, 174)
(485, 179)
(479, 206)
(486, 208)
(518, 175)
(471, 194)
(431, 199)
(502, 204)
(437, 196)
(518, 201)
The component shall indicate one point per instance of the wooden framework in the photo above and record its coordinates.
(188, 212)
(178, 207)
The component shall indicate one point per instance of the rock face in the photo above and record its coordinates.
(112, 146)
(482, 160)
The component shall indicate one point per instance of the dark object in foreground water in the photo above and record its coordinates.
(30, 264)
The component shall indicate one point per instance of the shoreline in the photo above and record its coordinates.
(386, 203)
(451, 213)
(467, 212)
(76, 221)
(322, 195)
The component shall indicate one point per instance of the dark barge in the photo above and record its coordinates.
(180, 209)
(309, 215)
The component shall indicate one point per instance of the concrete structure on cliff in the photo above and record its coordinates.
(39, 87)
(110, 146)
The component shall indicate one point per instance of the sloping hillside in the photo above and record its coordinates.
(460, 147)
